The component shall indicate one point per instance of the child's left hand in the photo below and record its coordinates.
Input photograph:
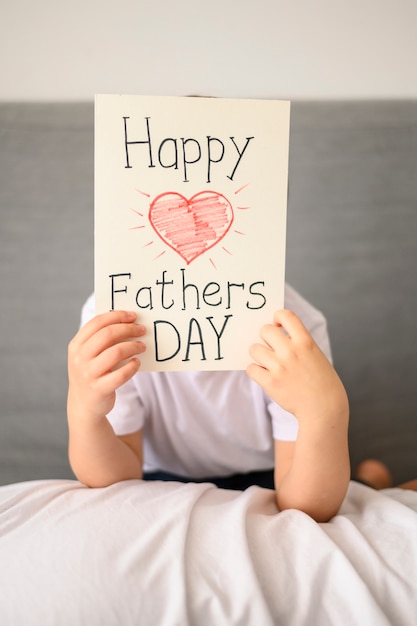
(294, 372)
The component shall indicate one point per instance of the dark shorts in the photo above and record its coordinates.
(237, 482)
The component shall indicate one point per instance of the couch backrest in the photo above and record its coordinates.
(352, 227)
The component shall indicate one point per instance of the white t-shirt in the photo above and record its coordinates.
(202, 424)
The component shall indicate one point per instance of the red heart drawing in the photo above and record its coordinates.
(191, 227)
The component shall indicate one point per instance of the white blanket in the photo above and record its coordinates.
(156, 554)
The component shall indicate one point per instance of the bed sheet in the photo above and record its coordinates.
(176, 554)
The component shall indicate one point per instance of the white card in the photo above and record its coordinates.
(190, 222)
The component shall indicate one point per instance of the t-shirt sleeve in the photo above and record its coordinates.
(88, 310)
(284, 424)
(127, 416)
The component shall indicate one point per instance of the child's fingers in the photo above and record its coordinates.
(111, 336)
(291, 323)
(286, 333)
(102, 321)
(283, 340)
(258, 374)
(114, 356)
(262, 355)
(102, 332)
(274, 337)
(118, 377)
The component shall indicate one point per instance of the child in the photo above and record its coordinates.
(285, 418)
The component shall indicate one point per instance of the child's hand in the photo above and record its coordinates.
(101, 358)
(295, 373)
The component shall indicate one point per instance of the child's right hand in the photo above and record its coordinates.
(102, 356)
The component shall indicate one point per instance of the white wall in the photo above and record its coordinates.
(305, 49)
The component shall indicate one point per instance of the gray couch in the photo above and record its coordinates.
(352, 250)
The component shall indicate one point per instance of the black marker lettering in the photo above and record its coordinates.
(248, 139)
(148, 304)
(219, 334)
(229, 297)
(186, 286)
(113, 290)
(210, 160)
(174, 144)
(211, 289)
(163, 283)
(199, 342)
(146, 141)
(176, 334)
(256, 293)
(184, 153)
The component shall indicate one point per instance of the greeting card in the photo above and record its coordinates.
(190, 222)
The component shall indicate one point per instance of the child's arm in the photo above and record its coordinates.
(311, 474)
(101, 358)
